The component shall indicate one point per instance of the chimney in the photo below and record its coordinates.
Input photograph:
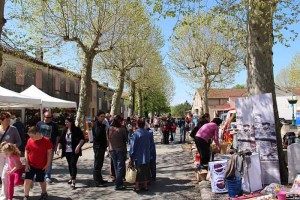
(39, 54)
(106, 84)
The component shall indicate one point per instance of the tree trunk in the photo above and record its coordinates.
(204, 92)
(115, 105)
(140, 102)
(2, 22)
(132, 98)
(85, 88)
(260, 61)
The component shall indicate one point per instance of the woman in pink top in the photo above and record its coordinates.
(203, 139)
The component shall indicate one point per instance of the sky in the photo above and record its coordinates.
(184, 91)
(282, 57)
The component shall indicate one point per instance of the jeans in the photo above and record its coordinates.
(98, 163)
(172, 136)
(182, 134)
(48, 173)
(72, 164)
(118, 158)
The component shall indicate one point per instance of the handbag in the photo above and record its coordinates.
(131, 175)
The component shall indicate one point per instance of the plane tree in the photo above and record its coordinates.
(94, 26)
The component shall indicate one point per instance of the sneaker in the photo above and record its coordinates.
(44, 196)
(26, 198)
(101, 185)
(103, 182)
(122, 187)
(48, 180)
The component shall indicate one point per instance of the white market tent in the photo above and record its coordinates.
(10, 98)
(47, 100)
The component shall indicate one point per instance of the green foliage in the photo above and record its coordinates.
(239, 86)
(180, 109)
(203, 54)
(155, 102)
(288, 77)
(285, 14)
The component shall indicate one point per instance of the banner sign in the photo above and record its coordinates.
(257, 133)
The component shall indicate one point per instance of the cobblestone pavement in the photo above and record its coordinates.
(175, 178)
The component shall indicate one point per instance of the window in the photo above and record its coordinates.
(76, 87)
(57, 82)
(108, 105)
(100, 103)
(67, 85)
(19, 75)
(39, 79)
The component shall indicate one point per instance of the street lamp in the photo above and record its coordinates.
(293, 102)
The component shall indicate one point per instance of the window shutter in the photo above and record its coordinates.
(67, 85)
(57, 82)
(39, 79)
(76, 87)
(19, 75)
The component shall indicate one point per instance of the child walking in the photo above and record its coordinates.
(38, 154)
(14, 169)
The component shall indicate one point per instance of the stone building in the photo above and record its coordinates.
(19, 71)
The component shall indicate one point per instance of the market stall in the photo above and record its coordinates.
(10, 98)
(47, 101)
(252, 168)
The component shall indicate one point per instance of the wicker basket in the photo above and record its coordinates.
(214, 148)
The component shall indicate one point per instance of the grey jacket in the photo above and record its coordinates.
(12, 136)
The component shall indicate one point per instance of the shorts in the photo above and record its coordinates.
(38, 173)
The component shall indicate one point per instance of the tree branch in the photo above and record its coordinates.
(78, 41)
(103, 50)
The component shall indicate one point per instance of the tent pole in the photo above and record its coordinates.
(41, 109)
(23, 114)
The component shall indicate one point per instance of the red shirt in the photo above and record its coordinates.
(37, 152)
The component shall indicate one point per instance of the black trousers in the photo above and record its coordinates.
(99, 153)
(166, 137)
(72, 164)
(203, 148)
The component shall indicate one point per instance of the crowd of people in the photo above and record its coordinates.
(115, 134)
(110, 134)
(44, 140)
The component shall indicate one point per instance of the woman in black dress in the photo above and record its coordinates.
(70, 142)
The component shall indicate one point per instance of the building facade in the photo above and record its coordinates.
(20, 71)
(221, 100)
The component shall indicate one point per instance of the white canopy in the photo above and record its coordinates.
(48, 101)
(10, 98)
